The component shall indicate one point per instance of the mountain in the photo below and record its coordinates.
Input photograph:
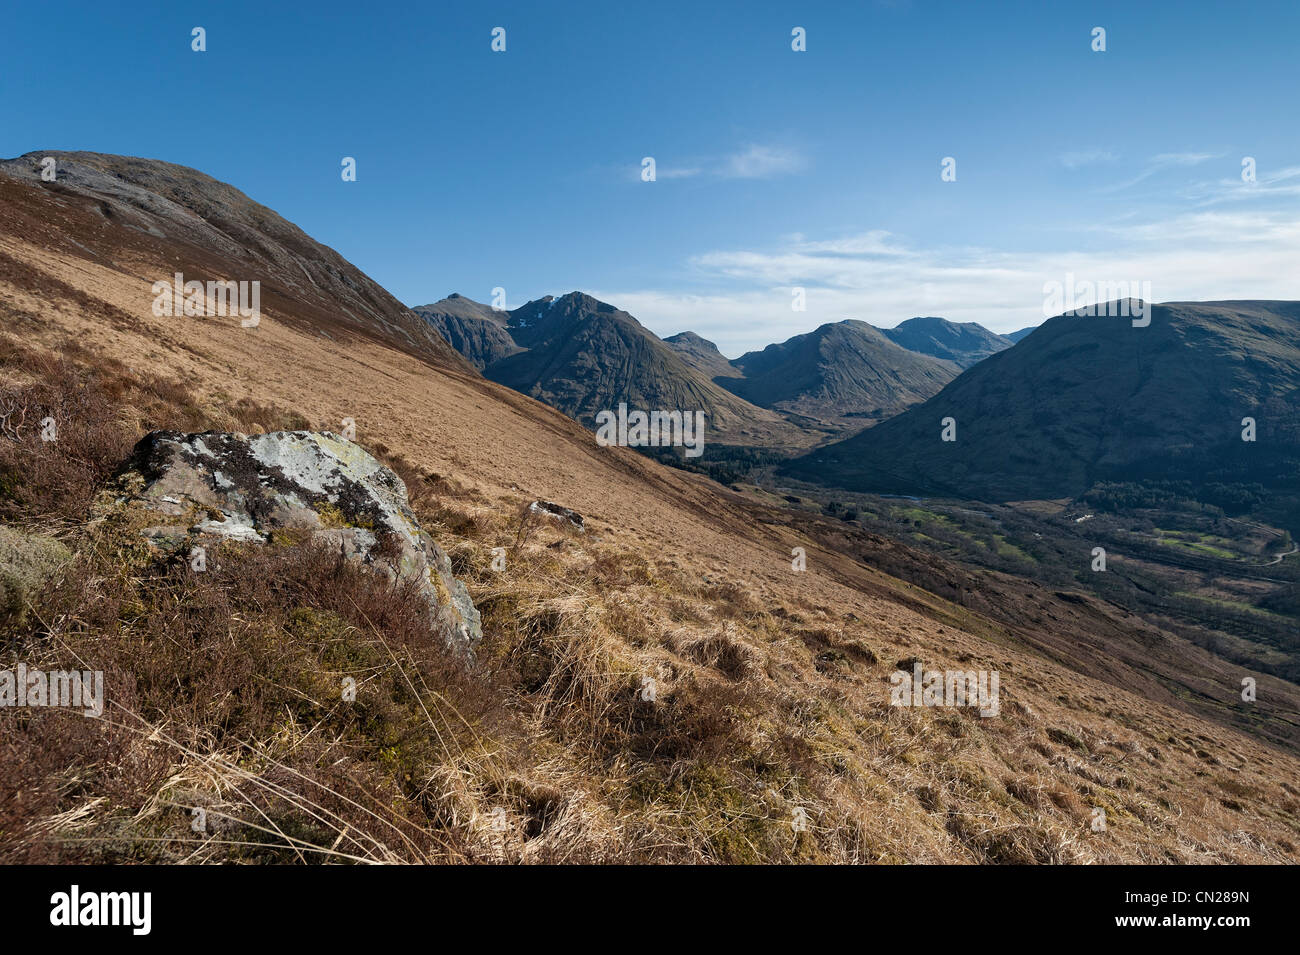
(584, 356)
(1016, 336)
(211, 231)
(475, 330)
(963, 344)
(1088, 399)
(702, 355)
(841, 373)
(772, 687)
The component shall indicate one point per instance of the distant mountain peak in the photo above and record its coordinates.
(475, 330)
(580, 301)
(838, 373)
(702, 355)
(1083, 400)
(582, 355)
(690, 338)
(963, 343)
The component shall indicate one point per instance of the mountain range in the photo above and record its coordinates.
(477, 331)
(659, 686)
(1089, 399)
(839, 372)
(582, 356)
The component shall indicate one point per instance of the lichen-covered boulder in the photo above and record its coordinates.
(220, 486)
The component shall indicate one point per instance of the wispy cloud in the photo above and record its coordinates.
(761, 162)
(1091, 157)
(754, 161)
(1162, 163)
(879, 277)
(876, 242)
(1192, 240)
(671, 172)
(1271, 184)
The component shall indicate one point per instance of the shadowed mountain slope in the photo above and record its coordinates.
(839, 371)
(583, 356)
(702, 355)
(1088, 399)
(962, 344)
(477, 331)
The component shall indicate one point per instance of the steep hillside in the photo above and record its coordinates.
(663, 686)
(477, 331)
(841, 373)
(1088, 399)
(962, 344)
(177, 219)
(1017, 335)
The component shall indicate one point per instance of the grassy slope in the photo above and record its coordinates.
(772, 690)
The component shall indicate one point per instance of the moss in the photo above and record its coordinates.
(27, 562)
(119, 526)
(1066, 738)
(317, 625)
(289, 536)
(737, 826)
(332, 516)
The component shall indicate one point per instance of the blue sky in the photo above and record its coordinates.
(817, 169)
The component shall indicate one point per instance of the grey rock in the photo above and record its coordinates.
(222, 486)
(558, 513)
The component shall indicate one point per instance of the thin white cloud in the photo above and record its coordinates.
(876, 277)
(671, 172)
(761, 162)
(1269, 184)
(875, 242)
(1090, 157)
(752, 162)
(1203, 241)
(1182, 159)
(1160, 163)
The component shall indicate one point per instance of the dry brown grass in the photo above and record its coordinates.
(767, 709)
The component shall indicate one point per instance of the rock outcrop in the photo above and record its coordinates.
(216, 487)
(558, 513)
